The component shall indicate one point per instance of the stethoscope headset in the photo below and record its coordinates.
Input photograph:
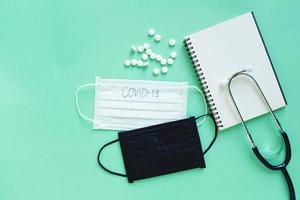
(281, 167)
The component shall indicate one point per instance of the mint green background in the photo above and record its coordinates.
(48, 48)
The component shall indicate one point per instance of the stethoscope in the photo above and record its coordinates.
(283, 165)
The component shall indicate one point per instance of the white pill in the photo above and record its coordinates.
(152, 56)
(146, 46)
(134, 62)
(127, 63)
(133, 48)
(151, 32)
(156, 71)
(146, 64)
(173, 54)
(163, 61)
(144, 56)
(148, 51)
(172, 42)
(158, 57)
(140, 63)
(157, 37)
(170, 61)
(164, 70)
(140, 49)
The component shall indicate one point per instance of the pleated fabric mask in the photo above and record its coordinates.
(129, 104)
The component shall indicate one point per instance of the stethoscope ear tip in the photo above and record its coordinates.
(224, 83)
(249, 68)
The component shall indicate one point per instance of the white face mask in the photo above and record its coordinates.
(131, 104)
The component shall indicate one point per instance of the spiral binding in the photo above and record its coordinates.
(210, 101)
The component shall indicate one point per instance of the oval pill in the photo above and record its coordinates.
(157, 37)
(152, 56)
(158, 57)
(173, 54)
(146, 64)
(140, 63)
(133, 48)
(163, 61)
(127, 63)
(156, 71)
(144, 56)
(146, 45)
(170, 61)
(172, 42)
(140, 49)
(151, 32)
(164, 70)
(148, 51)
(134, 62)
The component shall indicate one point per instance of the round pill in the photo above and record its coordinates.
(127, 63)
(152, 56)
(164, 70)
(157, 37)
(170, 61)
(148, 51)
(163, 61)
(156, 71)
(133, 48)
(144, 56)
(158, 57)
(173, 54)
(146, 46)
(140, 49)
(146, 64)
(151, 32)
(140, 63)
(172, 42)
(134, 62)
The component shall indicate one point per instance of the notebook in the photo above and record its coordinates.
(224, 49)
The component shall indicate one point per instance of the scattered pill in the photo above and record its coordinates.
(140, 63)
(133, 48)
(146, 46)
(170, 61)
(157, 37)
(152, 56)
(158, 57)
(173, 54)
(134, 62)
(140, 49)
(146, 64)
(151, 32)
(172, 42)
(127, 63)
(164, 70)
(144, 56)
(148, 51)
(163, 61)
(156, 71)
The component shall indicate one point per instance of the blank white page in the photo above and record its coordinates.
(227, 48)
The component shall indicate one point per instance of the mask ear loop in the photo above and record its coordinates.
(204, 101)
(102, 166)
(77, 104)
(216, 131)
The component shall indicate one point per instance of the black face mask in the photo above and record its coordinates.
(160, 149)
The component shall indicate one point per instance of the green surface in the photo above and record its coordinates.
(48, 48)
